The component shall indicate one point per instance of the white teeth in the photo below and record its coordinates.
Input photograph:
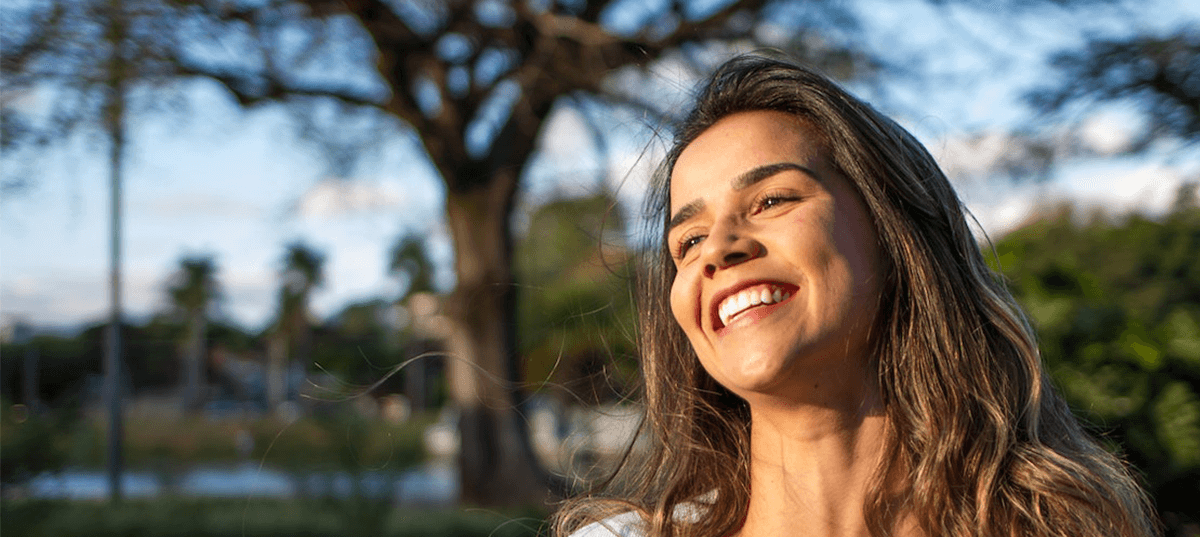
(744, 300)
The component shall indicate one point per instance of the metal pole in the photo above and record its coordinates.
(112, 358)
(115, 119)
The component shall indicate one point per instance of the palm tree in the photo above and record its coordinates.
(411, 265)
(193, 292)
(302, 272)
(410, 261)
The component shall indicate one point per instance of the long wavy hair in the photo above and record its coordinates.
(978, 441)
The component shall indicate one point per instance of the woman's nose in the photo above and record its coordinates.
(729, 250)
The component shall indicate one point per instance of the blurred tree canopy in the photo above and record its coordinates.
(356, 343)
(410, 262)
(194, 293)
(1116, 304)
(576, 313)
(291, 337)
(1157, 73)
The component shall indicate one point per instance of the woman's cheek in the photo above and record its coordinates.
(685, 299)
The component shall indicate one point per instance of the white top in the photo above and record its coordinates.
(631, 524)
(628, 524)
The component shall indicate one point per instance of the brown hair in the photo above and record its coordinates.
(979, 441)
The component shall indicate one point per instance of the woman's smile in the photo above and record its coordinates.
(776, 257)
(746, 303)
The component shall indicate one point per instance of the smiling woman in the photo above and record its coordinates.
(825, 351)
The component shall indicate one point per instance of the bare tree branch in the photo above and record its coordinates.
(264, 90)
(1160, 74)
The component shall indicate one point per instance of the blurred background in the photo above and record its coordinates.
(318, 267)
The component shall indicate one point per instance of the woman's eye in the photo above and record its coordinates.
(771, 201)
(686, 243)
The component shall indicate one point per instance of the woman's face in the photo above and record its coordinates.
(778, 265)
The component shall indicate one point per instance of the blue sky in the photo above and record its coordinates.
(240, 187)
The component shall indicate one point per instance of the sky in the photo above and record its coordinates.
(240, 187)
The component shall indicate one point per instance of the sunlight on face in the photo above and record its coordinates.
(777, 260)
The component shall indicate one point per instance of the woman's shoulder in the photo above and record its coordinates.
(628, 524)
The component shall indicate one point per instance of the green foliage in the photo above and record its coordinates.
(303, 272)
(410, 259)
(66, 361)
(1117, 308)
(358, 346)
(574, 308)
(63, 364)
(253, 518)
(31, 443)
(230, 337)
(194, 287)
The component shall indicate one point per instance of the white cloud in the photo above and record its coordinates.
(1147, 187)
(333, 197)
(49, 299)
(566, 135)
(1111, 132)
(987, 155)
(1113, 187)
(962, 157)
(203, 204)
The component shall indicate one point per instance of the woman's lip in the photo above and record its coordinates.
(715, 302)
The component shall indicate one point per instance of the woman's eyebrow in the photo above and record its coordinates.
(685, 213)
(740, 182)
(767, 170)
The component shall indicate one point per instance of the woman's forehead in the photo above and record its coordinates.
(737, 149)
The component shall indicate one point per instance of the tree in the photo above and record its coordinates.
(88, 58)
(1157, 74)
(1116, 302)
(193, 292)
(290, 340)
(577, 319)
(410, 261)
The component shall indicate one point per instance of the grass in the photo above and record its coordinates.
(178, 517)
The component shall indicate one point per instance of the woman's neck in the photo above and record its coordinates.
(810, 468)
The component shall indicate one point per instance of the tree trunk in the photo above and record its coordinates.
(195, 363)
(277, 351)
(496, 460)
(29, 379)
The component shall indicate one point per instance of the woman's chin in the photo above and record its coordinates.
(755, 375)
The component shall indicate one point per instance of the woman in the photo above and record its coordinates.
(825, 351)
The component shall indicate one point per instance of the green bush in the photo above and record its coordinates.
(31, 443)
(337, 442)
